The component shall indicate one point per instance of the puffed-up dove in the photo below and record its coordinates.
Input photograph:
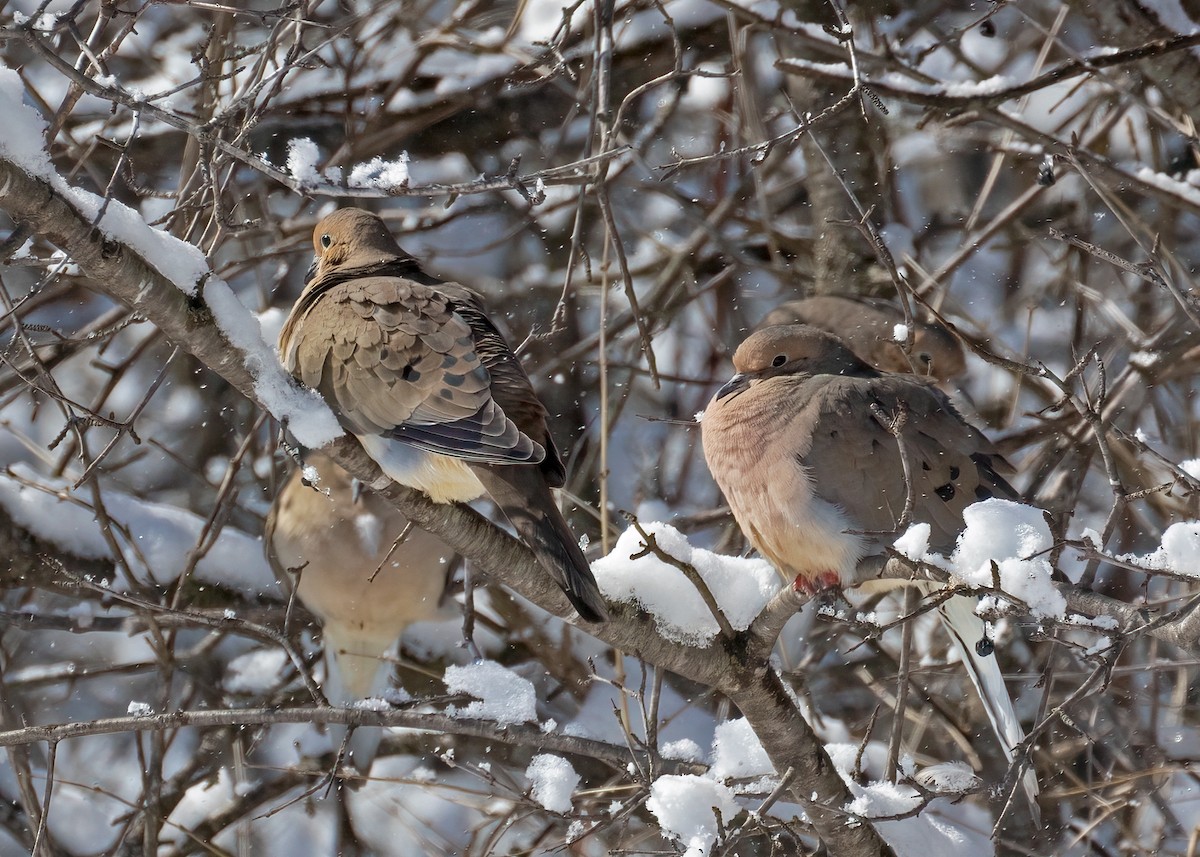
(824, 460)
(868, 327)
(334, 545)
(417, 372)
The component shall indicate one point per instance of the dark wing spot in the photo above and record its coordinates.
(925, 466)
(946, 492)
(408, 373)
(954, 471)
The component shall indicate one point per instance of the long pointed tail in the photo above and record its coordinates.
(522, 494)
(355, 669)
(967, 629)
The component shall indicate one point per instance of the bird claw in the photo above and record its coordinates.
(817, 584)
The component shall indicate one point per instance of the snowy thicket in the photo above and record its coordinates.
(633, 186)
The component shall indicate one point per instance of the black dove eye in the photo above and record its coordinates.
(326, 240)
(779, 360)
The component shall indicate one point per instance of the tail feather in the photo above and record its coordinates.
(524, 496)
(355, 669)
(967, 629)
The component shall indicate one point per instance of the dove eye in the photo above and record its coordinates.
(779, 360)
(326, 240)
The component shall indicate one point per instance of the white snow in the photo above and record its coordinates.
(914, 544)
(504, 696)
(302, 158)
(684, 806)
(381, 174)
(156, 539)
(311, 422)
(738, 753)
(1016, 539)
(1179, 551)
(741, 587)
(1189, 189)
(255, 672)
(1191, 467)
(682, 750)
(900, 332)
(139, 709)
(882, 799)
(553, 781)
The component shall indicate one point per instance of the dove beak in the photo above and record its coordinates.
(733, 386)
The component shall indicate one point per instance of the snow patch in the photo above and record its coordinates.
(156, 539)
(553, 781)
(504, 696)
(255, 672)
(737, 752)
(687, 808)
(23, 143)
(741, 587)
(1178, 553)
(1014, 540)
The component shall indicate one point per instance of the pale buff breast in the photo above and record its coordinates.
(339, 544)
(752, 441)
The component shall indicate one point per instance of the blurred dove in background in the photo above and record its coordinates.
(801, 442)
(417, 372)
(868, 327)
(332, 544)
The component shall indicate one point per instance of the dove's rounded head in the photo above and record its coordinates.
(787, 349)
(352, 238)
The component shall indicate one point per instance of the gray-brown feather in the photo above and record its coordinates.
(855, 461)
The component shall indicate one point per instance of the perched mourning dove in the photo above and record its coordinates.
(868, 327)
(801, 442)
(415, 370)
(334, 545)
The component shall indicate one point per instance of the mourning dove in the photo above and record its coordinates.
(868, 327)
(415, 370)
(334, 545)
(801, 441)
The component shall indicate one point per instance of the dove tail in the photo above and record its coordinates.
(355, 669)
(967, 629)
(523, 495)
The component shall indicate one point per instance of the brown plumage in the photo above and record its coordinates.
(417, 372)
(332, 545)
(803, 443)
(867, 325)
(799, 443)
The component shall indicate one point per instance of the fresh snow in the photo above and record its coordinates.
(1016, 540)
(23, 143)
(1012, 536)
(380, 174)
(504, 696)
(553, 781)
(741, 587)
(257, 671)
(684, 806)
(737, 752)
(1179, 551)
(156, 539)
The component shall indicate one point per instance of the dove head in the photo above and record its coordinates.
(791, 349)
(352, 238)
